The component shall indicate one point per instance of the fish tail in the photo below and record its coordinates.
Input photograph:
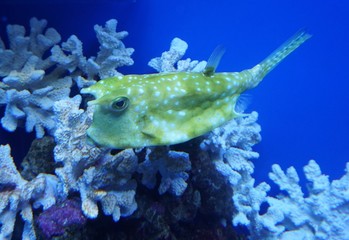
(270, 62)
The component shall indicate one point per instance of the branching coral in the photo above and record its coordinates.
(27, 91)
(231, 148)
(17, 195)
(321, 215)
(172, 166)
(31, 84)
(111, 56)
(170, 60)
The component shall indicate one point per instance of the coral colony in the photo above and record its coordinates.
(35, 91)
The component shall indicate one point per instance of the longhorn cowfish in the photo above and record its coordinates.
(168, 108)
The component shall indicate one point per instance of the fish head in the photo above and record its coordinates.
(118, 116)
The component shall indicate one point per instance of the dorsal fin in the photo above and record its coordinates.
(213, 61)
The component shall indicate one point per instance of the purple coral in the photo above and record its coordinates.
(55, 220)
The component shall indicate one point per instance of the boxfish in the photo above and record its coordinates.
(134, 111)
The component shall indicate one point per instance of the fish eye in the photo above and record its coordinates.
(119, 104)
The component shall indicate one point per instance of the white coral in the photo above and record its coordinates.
(322, 214)
(172, 166)
(27, 91)
(17, 195)
(168, 60)
(86, 71)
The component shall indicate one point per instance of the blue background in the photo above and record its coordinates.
(302, 104)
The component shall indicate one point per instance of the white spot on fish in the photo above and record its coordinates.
(181, 113)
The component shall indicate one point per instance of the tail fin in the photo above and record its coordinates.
(282, 52)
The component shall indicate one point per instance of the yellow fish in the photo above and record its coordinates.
(168, 108)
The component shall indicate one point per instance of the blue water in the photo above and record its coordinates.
(302, 104)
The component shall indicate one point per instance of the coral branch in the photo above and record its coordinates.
(17, 195)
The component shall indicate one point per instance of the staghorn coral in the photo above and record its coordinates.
(172, 165)
(111, 56)
(230, 147)
(18, 195)
(30, 84)
(321, 214)
(170, 60)
(26, 90)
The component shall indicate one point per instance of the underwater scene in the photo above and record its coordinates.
(174, 120)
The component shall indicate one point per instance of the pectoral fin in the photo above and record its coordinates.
(150, 131)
